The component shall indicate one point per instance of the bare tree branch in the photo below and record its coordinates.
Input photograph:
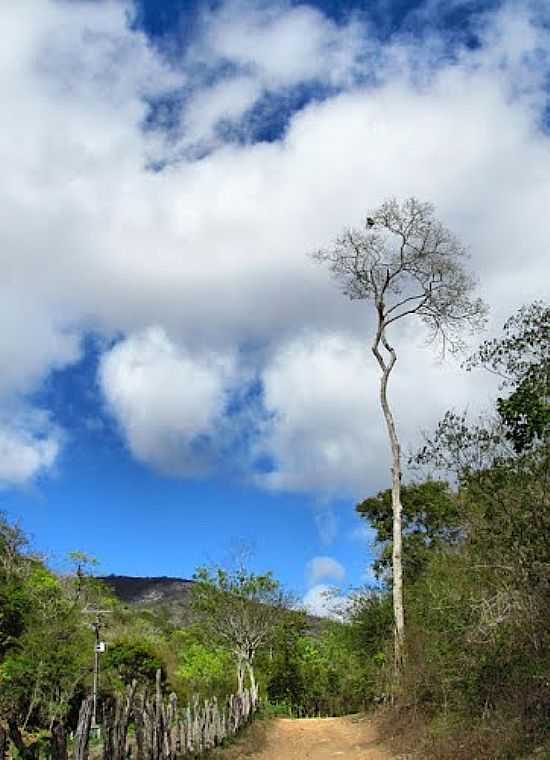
(402, 256)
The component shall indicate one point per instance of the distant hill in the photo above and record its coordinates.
(140, 590)
(167, 597)
(161, 594)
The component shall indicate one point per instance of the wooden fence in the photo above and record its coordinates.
(162, 730)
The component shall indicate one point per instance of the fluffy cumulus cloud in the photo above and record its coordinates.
(325, 430)
(325, 601)
(313, 386)
(29, 445)
(282, 46)
(117, 215)
(168, 403)
(322, 599)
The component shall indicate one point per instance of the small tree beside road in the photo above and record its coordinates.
(407, 264)
(238, 611)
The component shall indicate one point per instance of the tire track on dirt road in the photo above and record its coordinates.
(351, 737)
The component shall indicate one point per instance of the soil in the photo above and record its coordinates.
(310, 739)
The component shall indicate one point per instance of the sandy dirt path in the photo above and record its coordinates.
(311, 739)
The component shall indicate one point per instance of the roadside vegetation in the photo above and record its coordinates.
(476, 540)
(475, 680)
(244, 632)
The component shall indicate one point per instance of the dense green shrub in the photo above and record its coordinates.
(477, 563)
(132, 658)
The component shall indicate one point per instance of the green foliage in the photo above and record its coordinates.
(202, 668)
(477, 562)
(430, 519)
(13, 599)
(41, 673)
(238, 609)
(321, 673)
(13, 603)
(132, 658)
(286, 685)
(462, 449)
(46, 643)
(479, 629)
(82, 562)
(521, 357)
(371, 621)
(239, 584)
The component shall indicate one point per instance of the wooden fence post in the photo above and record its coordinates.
(165, 733)
(123, 714)
(58, 742)
(108, 729)
(139, 712)
(3, 743)
(82, 733)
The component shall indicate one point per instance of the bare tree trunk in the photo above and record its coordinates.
(240, 677)
(252, 680)
(397, 507)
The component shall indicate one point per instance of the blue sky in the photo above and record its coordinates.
(179, 378)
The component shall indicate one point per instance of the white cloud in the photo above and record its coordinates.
(321, 599)
(326, 430)
(313, 388)
(212, 250)
(320, 568)
(227, 100)
(29, 446)
(282, 45)
(325, 601)
(167, 402)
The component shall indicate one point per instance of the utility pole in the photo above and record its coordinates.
(99, 648)
(96, 625)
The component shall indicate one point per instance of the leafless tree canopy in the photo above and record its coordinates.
(408, 263)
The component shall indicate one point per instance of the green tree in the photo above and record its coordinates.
(132, 658)
(42, 673)
(286, 685)
(238, 609)
(370, 620)
(203, 668)
(14, 565)
(431, 518)
(480, 630)
(521, 358)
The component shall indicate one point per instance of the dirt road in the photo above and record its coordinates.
(311, 739)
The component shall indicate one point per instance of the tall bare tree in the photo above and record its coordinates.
(407, 264)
